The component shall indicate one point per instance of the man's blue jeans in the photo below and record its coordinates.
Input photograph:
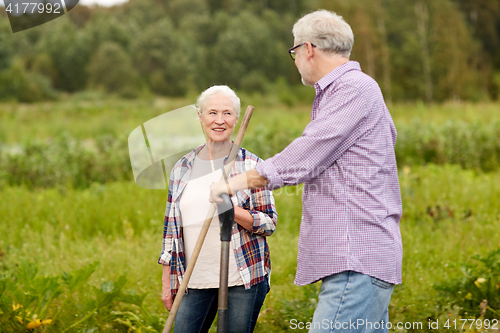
(352, 302)
(199, 307)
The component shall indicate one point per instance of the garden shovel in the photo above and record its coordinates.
(226, 219)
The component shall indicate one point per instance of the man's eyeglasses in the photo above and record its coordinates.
(292, 50)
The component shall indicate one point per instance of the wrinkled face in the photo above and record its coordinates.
(218, 118)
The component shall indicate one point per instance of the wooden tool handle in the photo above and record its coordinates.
(206, 224)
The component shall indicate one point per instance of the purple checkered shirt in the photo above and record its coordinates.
(351, 197)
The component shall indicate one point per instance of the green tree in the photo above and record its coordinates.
(178, 9)
(17, 83)
(69, 52)
(385, 44)
(42, 64)
(106, 27)
(7, 49)
(247, 45)
(483, 17)
(422, 16)
(163, 58)
(454, 54)
(111, 69)
(199, 33)
(416, 49)
(141, 13)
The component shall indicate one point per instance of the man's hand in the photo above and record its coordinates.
(216, 189)
(250, 179)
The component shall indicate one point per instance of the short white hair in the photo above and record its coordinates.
(325, 29)
(216, 90)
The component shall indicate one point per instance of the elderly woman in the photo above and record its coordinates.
(255, 219)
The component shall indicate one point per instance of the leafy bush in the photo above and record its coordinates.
(111, 69)
(266, 141)
(65, 161)
(472, 146)
(477, 290)
(17, 83)
(61, 303)
(292, 95)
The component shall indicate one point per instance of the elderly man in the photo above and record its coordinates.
(349, 233)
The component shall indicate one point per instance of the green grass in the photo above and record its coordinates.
(82, 119)
(450, 214)
(92, 117)
(120, 225)
(81, 141)
(87, 116)
(439, 114)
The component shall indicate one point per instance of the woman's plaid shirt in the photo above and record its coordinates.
(252, 251)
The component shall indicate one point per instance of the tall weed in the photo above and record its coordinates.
(61, 303)
(476, 290)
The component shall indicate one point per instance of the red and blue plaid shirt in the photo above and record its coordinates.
(252, 251)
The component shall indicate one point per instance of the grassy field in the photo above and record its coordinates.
(89, 116)
(450, 214)
(63, 231)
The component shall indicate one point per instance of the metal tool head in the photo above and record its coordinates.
(226, 217)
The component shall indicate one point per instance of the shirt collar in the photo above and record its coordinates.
(189, 157)
(337, 72)
(187, 165)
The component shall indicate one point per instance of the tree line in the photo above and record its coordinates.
(429, 50)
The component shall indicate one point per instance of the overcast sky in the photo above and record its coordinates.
(90, 2)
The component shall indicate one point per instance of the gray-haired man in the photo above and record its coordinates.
(349, 233)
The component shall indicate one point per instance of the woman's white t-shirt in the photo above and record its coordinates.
(194, 206)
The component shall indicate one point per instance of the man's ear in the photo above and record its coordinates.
(310, 50)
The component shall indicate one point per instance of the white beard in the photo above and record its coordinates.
(306, 83)
(305, 76)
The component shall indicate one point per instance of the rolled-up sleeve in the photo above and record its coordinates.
(166, 251)
(264, 213)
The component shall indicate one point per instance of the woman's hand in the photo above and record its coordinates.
(166, 297)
